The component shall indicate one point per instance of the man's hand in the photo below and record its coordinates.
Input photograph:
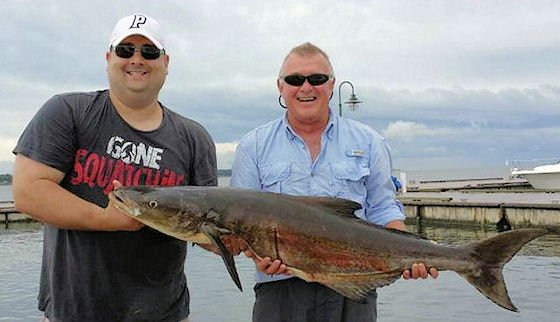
(267, 265)
(419, 270)
(114, 219)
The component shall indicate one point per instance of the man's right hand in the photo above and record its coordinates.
(114, 219)
(267, 266)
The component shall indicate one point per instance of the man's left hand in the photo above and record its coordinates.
(419, 270)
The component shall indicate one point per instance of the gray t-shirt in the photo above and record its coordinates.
(114, 276)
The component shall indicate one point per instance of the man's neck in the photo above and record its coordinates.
(143, 115)
(308, 128)
(310, 133)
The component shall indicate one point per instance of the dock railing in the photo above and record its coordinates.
(7, 208)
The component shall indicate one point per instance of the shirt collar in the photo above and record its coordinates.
(329, 130)
(333, 119)
(289, 131)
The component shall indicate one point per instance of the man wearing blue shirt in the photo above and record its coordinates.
(313, 152)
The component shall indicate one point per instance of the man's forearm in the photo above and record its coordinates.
(48, 202)
(37, 193)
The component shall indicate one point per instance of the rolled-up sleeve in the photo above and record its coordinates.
(244, 171)
(382, 206)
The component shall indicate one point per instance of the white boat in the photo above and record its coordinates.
(545, 177)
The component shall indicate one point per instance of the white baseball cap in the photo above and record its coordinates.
(138, 24)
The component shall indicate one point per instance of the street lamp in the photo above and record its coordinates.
(352, 101)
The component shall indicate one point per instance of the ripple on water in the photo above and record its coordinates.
(22, 245)
(531, 277)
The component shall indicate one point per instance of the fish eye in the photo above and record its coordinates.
(152, 204)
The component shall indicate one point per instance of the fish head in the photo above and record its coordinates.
(167, 209)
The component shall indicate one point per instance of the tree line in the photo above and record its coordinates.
(5, 178)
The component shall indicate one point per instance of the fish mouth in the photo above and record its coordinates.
(124, 203)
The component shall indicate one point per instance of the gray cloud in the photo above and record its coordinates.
(470, 83)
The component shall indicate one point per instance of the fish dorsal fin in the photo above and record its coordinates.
(340, 206)
(408, 234)
(343, 208)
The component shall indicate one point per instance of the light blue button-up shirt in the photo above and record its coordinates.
(354, 163)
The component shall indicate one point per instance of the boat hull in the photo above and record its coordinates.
(544, 181)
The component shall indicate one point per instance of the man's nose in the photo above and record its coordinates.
(137, 56)
(306, 85)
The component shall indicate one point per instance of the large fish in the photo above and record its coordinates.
(319, 238)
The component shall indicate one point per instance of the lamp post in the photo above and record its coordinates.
(352, 101)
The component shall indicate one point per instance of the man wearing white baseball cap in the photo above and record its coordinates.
(138, 24)
(98, 263)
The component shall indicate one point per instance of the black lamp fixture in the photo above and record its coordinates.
(352, 102)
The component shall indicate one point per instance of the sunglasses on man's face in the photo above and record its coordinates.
(314, 79)
(149, 52)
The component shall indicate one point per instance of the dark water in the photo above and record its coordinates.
(533, 279)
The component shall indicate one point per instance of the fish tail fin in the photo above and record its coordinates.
(492, 254)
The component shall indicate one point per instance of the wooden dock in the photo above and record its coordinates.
(514, 214)
(501, 201)
(8, 213)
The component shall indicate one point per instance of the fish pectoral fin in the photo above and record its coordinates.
(214, 236)
(357, 287)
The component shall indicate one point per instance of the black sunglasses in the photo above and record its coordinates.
(314, 79)
(149, 52)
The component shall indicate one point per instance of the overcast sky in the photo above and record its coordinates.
(450, 84)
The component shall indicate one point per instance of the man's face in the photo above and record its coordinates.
(136, 75)
(306, 103)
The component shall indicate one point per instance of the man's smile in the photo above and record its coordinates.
(136, 72)
(307, 98)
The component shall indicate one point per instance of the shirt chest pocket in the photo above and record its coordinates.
(350, 177)
(273, 175)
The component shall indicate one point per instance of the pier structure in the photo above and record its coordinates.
(503, 202)
(503, 213)
(8, 213)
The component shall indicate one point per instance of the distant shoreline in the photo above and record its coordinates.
(224, 172)
(412, 175)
